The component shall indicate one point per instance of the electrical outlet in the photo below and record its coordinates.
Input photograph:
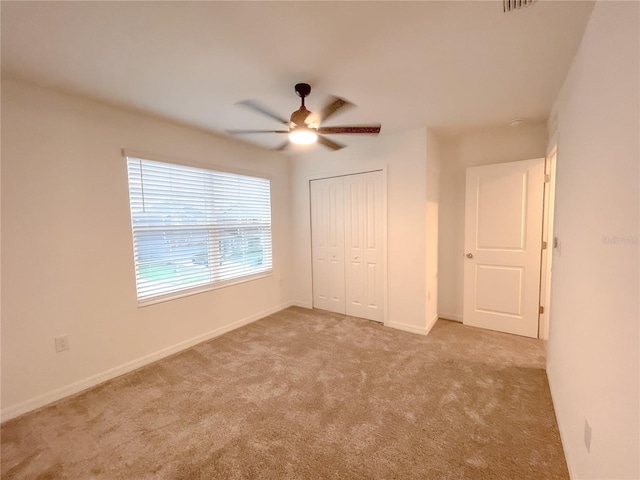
(587, 435)
(62, 343)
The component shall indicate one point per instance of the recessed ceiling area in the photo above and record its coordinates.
(404, 64)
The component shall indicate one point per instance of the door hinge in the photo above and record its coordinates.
(544, 245)
(541, 309)
(547, 178)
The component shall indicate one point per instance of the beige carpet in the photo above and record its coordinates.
(308, 395)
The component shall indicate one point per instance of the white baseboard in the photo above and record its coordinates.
(563, 435)
(432, 323)
(86, 383)
(413, 328)
(451, 316)
(301, 305)
(408, 328)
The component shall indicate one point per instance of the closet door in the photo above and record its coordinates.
(327, 244)
(363, 246)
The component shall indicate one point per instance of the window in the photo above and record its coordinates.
(195, 229)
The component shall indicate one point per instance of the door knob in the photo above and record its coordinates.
(469, 255)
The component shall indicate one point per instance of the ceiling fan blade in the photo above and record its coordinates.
(371, 129)
(335, 104)
(243, 132)
(329, 143)
(253, 105)
(281, 147)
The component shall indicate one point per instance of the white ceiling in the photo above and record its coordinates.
(449, 64)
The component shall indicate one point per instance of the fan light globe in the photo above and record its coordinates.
(303, 136)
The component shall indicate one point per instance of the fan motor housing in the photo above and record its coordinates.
(299, 117)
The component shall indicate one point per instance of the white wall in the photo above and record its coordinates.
(459, 150)
(595, 324)
(432, 212)
(404, 156)
(67, 257)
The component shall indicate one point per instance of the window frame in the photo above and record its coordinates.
(219, 284)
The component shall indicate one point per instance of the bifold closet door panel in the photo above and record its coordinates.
(364, 279)
(327, 244)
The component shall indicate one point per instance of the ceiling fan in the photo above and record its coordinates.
(304, 126)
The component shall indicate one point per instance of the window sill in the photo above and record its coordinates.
(202, 289)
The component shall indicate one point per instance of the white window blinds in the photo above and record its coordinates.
(195, 228)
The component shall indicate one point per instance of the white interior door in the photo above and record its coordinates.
(503, 231)
(363, 244)
(327, 244)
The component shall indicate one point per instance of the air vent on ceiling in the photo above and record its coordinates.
(508, 5)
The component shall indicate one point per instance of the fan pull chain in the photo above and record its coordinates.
(508, 5)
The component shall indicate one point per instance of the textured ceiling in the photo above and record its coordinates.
(407, 65)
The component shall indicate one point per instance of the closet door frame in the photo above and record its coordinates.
(322, 176)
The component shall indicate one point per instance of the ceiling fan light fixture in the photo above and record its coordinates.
(304, 127)
(303, 136)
